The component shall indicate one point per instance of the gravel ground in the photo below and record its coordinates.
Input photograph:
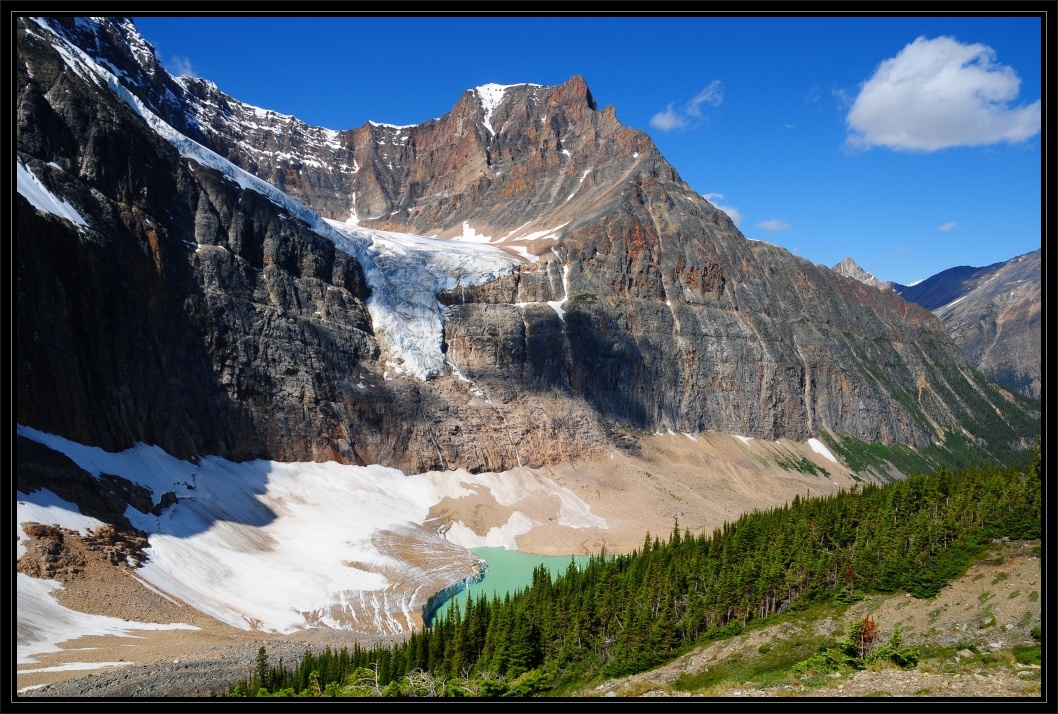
(212, 672)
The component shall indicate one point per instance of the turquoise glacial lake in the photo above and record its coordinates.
(511, 570)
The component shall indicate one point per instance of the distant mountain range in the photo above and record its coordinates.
(993, 313)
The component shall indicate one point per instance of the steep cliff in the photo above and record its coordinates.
(198, 308)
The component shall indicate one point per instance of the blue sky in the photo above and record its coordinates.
(911, 144)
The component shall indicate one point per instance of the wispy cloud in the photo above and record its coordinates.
(947, 226)
(937, 94)
(691, 112)
(180, 66)
(842, 99)
(731, 211)
(773, 225)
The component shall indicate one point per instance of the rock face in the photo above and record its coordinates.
(197, 312)
(994, 316)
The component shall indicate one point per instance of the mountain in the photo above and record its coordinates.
(202, 310)
(231, 327)
(850, 269)
(994, 315)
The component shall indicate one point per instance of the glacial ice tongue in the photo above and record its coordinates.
(410, 272)
(405, 272)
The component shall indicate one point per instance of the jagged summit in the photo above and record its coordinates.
(850, 269)
(491, 96)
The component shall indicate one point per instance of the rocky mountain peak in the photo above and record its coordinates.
(571, 97)
(849, 268)
(114, 40)
(518, 163)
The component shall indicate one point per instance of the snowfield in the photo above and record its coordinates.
(284, 546)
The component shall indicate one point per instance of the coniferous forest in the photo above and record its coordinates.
(624, 614)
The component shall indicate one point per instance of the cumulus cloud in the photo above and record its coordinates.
(691, 112)
(947, 226)
(180, 66)
(733, 213)
(773, 225)
(937, 94)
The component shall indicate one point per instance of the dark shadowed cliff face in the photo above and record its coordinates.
(194, 312)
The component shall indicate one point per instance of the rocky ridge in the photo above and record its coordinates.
(992, 313)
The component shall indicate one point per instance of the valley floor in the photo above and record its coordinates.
(965, 656)
(699, 482)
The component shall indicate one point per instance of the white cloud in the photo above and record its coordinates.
(773, 225)
(671, 118)
(731, 211)
(940, 93)
(667, 120)
(180, 66)
(841, 99)
(947, 226)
